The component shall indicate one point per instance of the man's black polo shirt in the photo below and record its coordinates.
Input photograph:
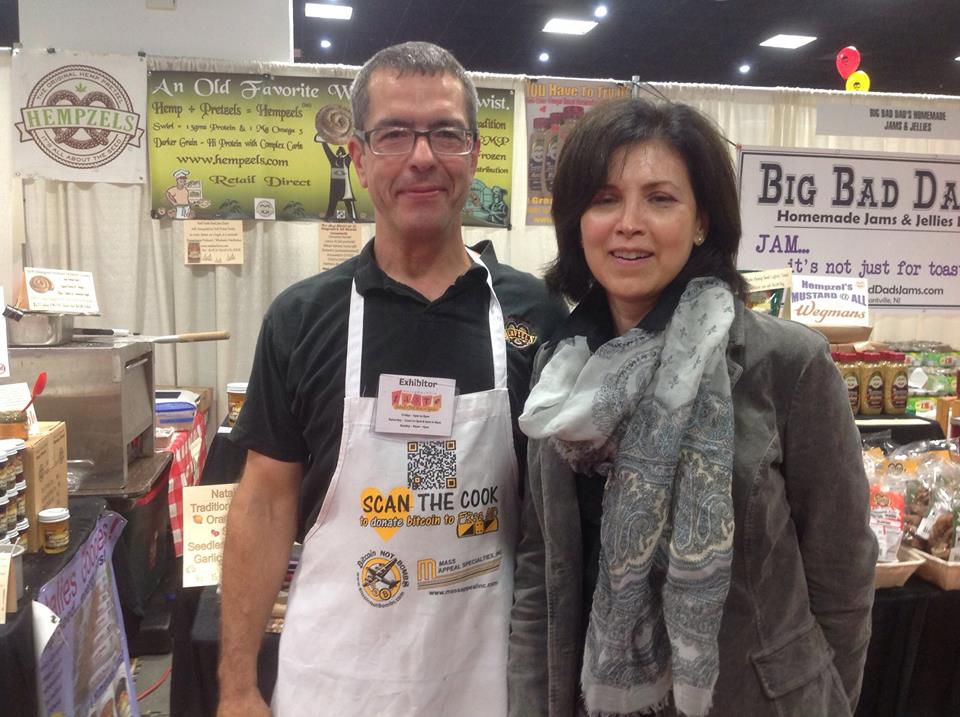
(294, 404)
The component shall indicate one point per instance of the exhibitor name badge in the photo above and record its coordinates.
(419, 405)
(204, 531)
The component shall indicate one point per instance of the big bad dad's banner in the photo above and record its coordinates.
(889, 218)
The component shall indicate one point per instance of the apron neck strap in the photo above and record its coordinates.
(498, 338)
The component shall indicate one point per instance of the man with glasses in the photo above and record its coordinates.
(380, 429)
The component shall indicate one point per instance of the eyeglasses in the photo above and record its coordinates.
(401, 140)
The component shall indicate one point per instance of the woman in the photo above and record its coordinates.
(695, 525)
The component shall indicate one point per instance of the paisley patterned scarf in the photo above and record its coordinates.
(651, 413)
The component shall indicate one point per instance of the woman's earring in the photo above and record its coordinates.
(698, 239)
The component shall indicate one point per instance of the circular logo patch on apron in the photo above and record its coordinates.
(382, 578)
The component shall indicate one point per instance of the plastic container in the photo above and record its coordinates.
(13, 424)
(850, 372)
(11, 510)
(21, 489)
(22, 527)
(54, 529)
(871, 384)
(236, 395)
(4, 505)
(895, 387)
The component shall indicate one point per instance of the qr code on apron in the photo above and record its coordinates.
(431, 465)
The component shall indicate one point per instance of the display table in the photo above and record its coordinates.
(189, 451)
(18, 678)
(904, 429)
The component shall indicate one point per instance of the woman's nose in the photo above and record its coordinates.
(631, 220)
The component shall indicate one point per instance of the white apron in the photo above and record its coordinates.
(401, 602)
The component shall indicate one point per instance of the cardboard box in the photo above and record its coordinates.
(45, 470)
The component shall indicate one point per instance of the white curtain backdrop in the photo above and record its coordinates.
(143, 284)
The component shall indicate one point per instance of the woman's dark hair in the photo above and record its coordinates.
(583, 168)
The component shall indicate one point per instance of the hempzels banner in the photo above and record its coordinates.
(79, 117)
(892, 219)
(232, 146)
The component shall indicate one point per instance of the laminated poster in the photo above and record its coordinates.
(489, 199)
(553, 108)
(240, 146)
(84, 668)
(204, 532)
(892, 219)
(213, 242)
(338, 242)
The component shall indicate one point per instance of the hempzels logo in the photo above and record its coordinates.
(80, 117)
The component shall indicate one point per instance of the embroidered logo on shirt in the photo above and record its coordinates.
(381, 578)
(519, 334)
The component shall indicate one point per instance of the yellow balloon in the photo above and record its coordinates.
(858, 81)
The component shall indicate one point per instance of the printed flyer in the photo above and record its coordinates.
(222, 146)
(84, 669)
(553, 108)
(892, 219)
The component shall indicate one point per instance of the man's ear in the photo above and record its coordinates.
(355, 147)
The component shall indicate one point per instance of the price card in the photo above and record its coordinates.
(204, 531)
(829, 301)
(59, 291)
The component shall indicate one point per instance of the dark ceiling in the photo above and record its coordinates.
(906, 45)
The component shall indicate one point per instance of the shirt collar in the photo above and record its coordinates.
(370, 277)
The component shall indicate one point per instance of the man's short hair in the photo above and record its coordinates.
(422, 58)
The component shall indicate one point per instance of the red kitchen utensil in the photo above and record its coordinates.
(37, 388)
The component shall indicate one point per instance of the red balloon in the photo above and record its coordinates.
(848, 60)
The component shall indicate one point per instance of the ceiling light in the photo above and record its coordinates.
(325, 44)
(957, 59)
(544, 57)
(788, 42)
(569, 27)
(327, 11)
(744, 68)
(600, 11)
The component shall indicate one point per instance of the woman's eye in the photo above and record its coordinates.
(603, 199)
(661, 198)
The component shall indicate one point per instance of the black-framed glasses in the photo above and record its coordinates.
(401, 140)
